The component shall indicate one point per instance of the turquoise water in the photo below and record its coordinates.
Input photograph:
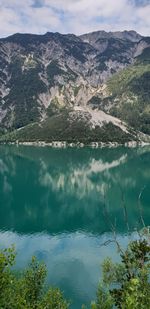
(59, 204)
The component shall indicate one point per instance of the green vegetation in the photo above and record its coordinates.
(53, 69)
(120, 82)
(116, 51)
(145, 56)
(124, 285)
(75, 51)
(101, 103)
(26, 290)
(130, 95)
(54, 107)
(66, 127)
(102, 66)
(26, 77)
(76, 90)
(95, 101)
(25, 87)
(2, 131)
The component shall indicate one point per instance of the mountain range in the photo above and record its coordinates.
(63, 87)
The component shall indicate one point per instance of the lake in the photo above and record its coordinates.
(60, 205)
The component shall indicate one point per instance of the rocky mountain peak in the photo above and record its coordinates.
(44, 75)
(92, 37)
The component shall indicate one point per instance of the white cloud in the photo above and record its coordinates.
(75, 16)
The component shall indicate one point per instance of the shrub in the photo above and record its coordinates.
(126, 285)
(26, 291)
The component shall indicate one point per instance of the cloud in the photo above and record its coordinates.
(72, 259)
(73, 16)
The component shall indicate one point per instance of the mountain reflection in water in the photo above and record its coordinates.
(57, 204)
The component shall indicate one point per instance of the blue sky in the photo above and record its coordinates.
(73, 16)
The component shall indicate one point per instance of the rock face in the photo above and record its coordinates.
(45, 76)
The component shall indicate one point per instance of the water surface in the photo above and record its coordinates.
(60, 204)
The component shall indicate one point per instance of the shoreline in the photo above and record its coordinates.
(64, 144)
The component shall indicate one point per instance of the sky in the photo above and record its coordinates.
(73, 16)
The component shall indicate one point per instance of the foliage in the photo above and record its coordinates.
(53, 69)
(130, 92)
(2, 131)
(104, 299)
(26, 77)
(62, 127)
(77, 51)
(24, 89)
(116, 51)
(26, 291)
(121, 81)
(95, 101)
(126, 285)
(77, 89)
(145, 56)
(55, 108)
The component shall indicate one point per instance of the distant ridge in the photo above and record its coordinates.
(66, 87)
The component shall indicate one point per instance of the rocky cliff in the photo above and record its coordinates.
(89, 87)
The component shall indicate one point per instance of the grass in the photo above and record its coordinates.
(121, 81)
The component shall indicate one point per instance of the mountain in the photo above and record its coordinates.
(93, 87)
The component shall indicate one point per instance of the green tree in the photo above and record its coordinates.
(26, 291)
(126, 285)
